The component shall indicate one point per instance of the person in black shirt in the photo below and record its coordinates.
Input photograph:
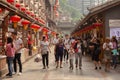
(95, 51)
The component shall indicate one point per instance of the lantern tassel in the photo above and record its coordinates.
(15, 24)
(25, 27)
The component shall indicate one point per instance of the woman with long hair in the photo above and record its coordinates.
(10, 53)
(59, 49)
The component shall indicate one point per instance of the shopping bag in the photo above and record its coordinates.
(37, 58)
(115, 52)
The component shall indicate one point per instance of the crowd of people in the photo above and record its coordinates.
(71, 50)
(67, 49)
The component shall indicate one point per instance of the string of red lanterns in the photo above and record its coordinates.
(94, 26)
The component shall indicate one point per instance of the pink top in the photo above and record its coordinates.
(10, 52)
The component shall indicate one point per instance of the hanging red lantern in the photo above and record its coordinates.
(37, 18)
(17, 5)
(10, 1)
(25, 24)
(45, 30)
(35, 27)
(53, 33)
(23, 9)
(28, 12)
(41, 21)
(15, 19)
(1, 10)
(32, 14)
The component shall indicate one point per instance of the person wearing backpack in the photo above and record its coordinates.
(78, 54)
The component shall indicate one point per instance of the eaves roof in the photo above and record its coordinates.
(99, 9)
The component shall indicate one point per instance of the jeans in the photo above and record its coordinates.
(17, 59)
(71, 62)
(45, 60)
(78, 59)
(10, 62)
(114, 60)
(65, 54)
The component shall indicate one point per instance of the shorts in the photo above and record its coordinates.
(59, 57)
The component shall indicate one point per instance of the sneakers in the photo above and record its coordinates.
(44, 67)
(8, 75)
(95, 68)
(19, 74)
(14, 73)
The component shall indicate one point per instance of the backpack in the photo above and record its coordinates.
(75, 46)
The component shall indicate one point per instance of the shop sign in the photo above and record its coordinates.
(115, 32)
(114, 23)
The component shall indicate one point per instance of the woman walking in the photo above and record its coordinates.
(10, 53)
(107, 47)
(45, 49)
(96, 53)
(59, 49)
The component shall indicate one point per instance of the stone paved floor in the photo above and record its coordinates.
(34, 71)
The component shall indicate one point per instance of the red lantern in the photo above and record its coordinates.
(15, 20)
(28, 12)
(43, 22)
(23, 9)
(1, 10)
(17, 5)
(35, 27)
(45, 30)
(53, 33)
(25, 23)
(10, 1)
(32, 14)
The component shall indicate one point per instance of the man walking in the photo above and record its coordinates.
(18, 50)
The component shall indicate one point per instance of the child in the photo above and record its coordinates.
(71, 57)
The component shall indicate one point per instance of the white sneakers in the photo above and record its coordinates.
(19, 74)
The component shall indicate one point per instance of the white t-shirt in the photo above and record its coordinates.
(18, 43)
(67, 44)
(55, 41)
(108, 46)
(44, 46)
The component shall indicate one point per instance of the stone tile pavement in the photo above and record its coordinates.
(34, 71)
